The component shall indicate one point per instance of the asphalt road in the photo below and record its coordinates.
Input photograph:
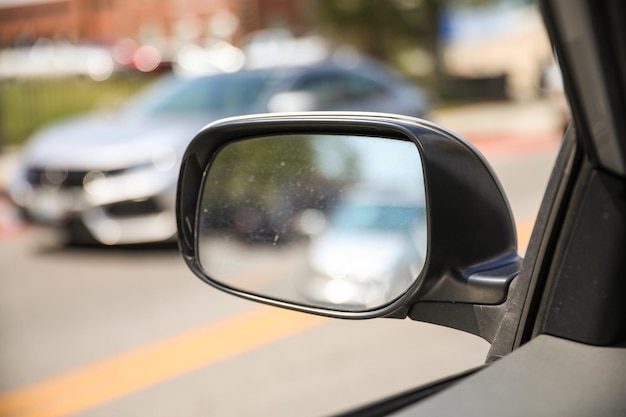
(127, 332)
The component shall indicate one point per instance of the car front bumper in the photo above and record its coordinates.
(128, 207)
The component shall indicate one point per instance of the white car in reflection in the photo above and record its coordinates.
(112, 179)
(367, 255)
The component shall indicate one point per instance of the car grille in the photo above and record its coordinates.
(133, 208)
(62, 178)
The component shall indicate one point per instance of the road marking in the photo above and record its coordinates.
(113, 378)
(102, 382)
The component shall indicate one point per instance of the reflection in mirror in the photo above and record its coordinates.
(321, 220)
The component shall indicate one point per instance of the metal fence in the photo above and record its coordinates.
(27, 105)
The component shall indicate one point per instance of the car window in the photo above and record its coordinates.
(334, 88)
(222, 94)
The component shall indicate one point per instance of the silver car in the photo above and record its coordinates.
(111, 179)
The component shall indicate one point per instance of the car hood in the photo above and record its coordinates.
(98, 141)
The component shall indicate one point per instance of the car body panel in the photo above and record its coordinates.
(549, 376)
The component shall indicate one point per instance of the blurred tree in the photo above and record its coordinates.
(276, 178)
(383, 29)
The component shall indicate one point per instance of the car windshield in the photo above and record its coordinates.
(367, 218)
(230, 93)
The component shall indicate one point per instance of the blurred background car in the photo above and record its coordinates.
(111, 178)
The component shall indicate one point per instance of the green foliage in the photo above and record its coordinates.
(26, 105)
(265, 169)
(387, 28)
(382, 28)
(259, 168)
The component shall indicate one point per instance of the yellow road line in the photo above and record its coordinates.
(118, 376)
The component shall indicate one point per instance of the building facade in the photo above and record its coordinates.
(104, 22)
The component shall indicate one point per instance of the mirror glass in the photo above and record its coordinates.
(327, 221)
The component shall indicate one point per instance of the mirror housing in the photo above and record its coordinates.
(471, 254)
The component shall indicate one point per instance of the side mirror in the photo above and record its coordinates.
(351, 215)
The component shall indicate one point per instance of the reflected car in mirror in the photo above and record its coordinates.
(369, 253)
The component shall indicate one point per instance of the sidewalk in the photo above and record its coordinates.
(510, 118)
(501, 129)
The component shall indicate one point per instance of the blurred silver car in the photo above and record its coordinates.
(112, 178)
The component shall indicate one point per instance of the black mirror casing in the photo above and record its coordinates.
(472, 250)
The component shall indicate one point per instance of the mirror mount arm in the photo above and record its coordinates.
(486, 284)
(481, 319)
(490, 322)
(485, 321)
